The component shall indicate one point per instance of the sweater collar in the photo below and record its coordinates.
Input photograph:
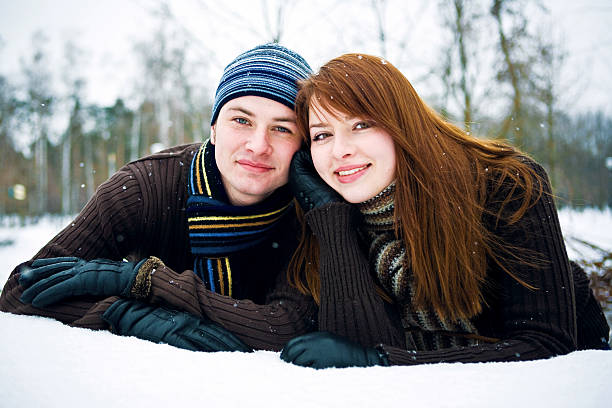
(378, 211)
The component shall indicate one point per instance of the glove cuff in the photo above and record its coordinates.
(142, 282)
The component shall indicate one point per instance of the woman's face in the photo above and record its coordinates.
(351, 154)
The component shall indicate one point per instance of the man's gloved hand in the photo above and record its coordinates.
(50, 280)
(323, 350)
(162, 325)
(309, 189)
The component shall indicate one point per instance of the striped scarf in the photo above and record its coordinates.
(218, 230)
(387, 259)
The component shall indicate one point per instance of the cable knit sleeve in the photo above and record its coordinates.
(140, 213)
(269, 326)
(530, 324)
(105, 228)
(350, 305)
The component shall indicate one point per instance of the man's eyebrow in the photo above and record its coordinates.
(249, 113)
(239, 109)
(284, 119)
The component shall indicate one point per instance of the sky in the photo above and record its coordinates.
(108, 30)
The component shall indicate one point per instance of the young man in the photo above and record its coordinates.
(204, 228)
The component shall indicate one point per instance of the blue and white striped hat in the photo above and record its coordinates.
(268, 70)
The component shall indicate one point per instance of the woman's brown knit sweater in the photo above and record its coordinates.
(530, 324)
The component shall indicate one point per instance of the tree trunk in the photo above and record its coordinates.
(513, 122)
(66, 179)
(135, 136)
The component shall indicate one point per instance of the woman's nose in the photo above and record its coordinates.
(342, 146)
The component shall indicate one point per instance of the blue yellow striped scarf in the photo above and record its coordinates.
(217, 229)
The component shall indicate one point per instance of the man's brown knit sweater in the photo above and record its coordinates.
(140, 212)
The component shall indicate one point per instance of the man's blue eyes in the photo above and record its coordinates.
(243, 121)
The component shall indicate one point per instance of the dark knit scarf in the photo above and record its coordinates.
(387, 256)
(217, 229)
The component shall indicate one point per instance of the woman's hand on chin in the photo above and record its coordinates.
(309, 189)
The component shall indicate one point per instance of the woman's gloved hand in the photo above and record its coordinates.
(129, 317)
(323, 350)
(309, 189)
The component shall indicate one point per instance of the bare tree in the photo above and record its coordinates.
(274, 18)
(74, 84)
(379, 8)
(548, 91)
(392, 38)
(517, 57)
(460, 57)
(38, 110)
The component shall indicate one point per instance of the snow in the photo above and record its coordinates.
(590, 225)
(44, 363)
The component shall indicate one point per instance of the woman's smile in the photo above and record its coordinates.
(348, 174)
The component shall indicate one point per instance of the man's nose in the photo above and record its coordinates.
(259, 141)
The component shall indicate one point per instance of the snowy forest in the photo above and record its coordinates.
(57, 147)
(495, 70)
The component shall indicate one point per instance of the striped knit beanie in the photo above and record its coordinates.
(269, 70)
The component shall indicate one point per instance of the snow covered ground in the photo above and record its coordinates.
(46, 364)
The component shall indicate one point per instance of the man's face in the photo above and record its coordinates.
(255, 139)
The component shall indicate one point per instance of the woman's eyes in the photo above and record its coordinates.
(324, 135)
(320, 136)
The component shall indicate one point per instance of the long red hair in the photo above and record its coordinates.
(443, 179)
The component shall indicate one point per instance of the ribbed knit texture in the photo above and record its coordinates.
(350, 305)
(531, 324)
(593, 329)
(140, 212)
(425, 330)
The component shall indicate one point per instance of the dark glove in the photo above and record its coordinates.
(323, 350)
(309, 189)
(161, 325)
(50, 280)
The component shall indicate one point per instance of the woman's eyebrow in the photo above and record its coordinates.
(318, 125)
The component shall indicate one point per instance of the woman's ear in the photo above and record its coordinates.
(213, 135)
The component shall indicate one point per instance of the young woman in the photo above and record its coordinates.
(454, 240)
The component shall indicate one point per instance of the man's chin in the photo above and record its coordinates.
(250, 196)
